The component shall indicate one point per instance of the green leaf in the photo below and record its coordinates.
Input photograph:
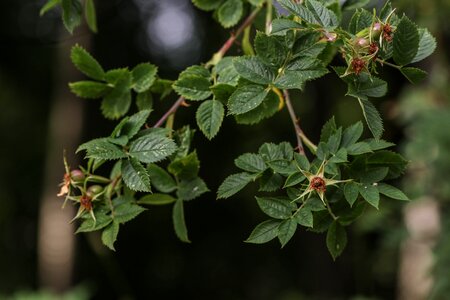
(101, 221)
(298, 10)
(253, 69)
(90, 15)
(178, 221)
(367, 87)
(109, 235)
(286, 231)
(309, 45)
(126, 211)
(135, 175)
(144, 76)
(304, 217)
(116, 103)
(427, 45)
(250, 162)
(207, 4)
(339, 157)
(414, 75)
(359, 148)
(86, 63)
(264, 232)
(275, 207)
(376, 144)
(302, 161)
(144, 101)
(222, 92)
(134, 123)
(280, 26)
(295, 79)
(191, 189)
(270, 152)
(406, 41)
(322, 15)
(336, 239)
(384, 158)
(89, 89)
(351, 191)
(192, 87)
(226, 71)
(162, 86)
(209, 117)
(294, 179)
(152, 148)
(351, 134)
(233, 184)
(157, 199)
(374, 175)
(391, 192)
(270, 181)
(360, 20)
(101, 149)
(372, 117)
(48, 6)
(230, 12)
(256, 2)
(266, 109)
(71, 14)
(328, 130)
(160, 179)
(370, 194)
(246, 98)
(271, 49)
(186, 167)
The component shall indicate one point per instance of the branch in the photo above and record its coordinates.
(215, 59)
(301, 137)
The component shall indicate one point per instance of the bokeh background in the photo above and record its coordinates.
(399, 252)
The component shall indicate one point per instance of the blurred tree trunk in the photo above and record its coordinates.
(56, 240)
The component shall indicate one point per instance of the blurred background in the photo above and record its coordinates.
(399, 252)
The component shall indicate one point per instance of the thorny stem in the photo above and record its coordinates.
(301, 137)
(216, 57)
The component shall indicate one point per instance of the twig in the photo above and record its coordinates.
(298, 130)
(216, 58)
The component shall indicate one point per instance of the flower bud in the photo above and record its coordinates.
(76, 175)
(362, 42)
(94, 190)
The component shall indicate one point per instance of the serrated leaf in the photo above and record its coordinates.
(302, 161)
(246, 98)
(178, 221)
(135, 175)
(222, 92)
(294, 179)
(376, 144)
(191, 189)
(286, 231)
(298, 10)
(338, 157)
(264, 232)
(275, 207)
(322, 15)
(309, 45)
(370, 194)
(207, 4)
(90, 15)
(157, 199)
(126, 211)
(71, 14)
(414, 75)
(406, 41)
(367, 87)
(360, 20)
(230, 12)
(152, 148)
(391, 192)
(102, 149)
(427, 45)
(351, 192)
(373, 119)
(144, 101)
(48, 6)
(354, 4)
(134, 123)
(270, 49)
(328, 129)
(144, 76)
(160, 179)
(384, 158)
(209, 117)
(304, 217)
(270, 181)
(101, 221)
(193, 87)
(250, 162)
(295, 79)
(359, 148)
(253, 69)
(109, 235)
(89, 89)
(266, 109)
(84, 62)
(162, 86)
(280, 26)
(117, 102)
(351, 134)
(336, 239)
(374, 175)
(226, 71)
(233, 184)
(270, 152)
(186, 167)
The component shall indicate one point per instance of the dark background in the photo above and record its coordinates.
(150, 262)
